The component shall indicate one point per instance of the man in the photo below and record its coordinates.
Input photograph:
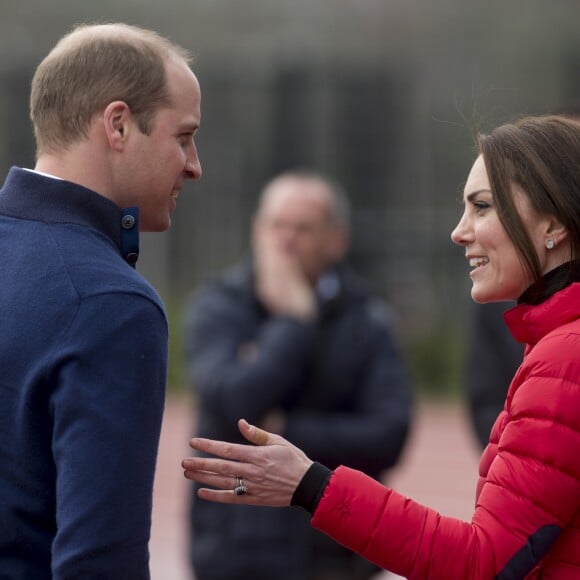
(291, 340)
(83, 348)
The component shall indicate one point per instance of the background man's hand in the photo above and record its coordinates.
(281, 284)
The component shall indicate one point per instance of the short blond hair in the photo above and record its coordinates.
(92, 66)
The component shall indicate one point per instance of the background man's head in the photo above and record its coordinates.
(306, 215)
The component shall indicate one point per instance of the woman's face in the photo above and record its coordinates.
(497, 272)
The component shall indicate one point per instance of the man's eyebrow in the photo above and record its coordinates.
(190, 126)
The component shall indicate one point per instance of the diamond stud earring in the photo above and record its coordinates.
(550, 243)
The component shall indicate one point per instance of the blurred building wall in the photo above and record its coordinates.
(381, 94)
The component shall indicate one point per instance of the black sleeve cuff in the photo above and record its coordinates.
(311, 487)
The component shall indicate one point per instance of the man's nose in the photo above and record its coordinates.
(193, 169)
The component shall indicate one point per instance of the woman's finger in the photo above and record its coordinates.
(254, 434)
(216, 480)
(219, 467)
(222, 489)
(229, 451)
(236, 451)
(220, 496)
(226, 496)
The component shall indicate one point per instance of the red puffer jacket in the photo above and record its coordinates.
(527, 517)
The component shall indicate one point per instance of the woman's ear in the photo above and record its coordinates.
(556, 231)
(116, 124)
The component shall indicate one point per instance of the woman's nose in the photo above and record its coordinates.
(461, 234)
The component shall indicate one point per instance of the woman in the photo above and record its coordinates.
(521, 233)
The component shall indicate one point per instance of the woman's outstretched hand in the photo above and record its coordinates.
(270, 470)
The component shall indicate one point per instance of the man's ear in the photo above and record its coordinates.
(340, 243)
(255, 232)
(116, 124)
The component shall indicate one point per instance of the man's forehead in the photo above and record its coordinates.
(294, 192)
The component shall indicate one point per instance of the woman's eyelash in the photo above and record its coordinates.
(481, 205)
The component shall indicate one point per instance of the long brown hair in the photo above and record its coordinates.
(542, 156)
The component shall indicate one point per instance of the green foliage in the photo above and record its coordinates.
(436, 361)
(176, 379)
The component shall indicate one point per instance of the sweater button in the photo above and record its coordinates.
(127, 222)
(132, 258)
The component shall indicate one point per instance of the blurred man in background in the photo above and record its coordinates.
(290, 339)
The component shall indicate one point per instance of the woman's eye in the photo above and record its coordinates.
(481, 206)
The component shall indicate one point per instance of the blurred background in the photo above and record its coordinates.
(382, 94)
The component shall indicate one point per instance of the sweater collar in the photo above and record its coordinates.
(529, 323)
(551, 282)
(34, 196)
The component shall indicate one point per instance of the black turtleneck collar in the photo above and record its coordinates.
(551, 282)
(34, 196)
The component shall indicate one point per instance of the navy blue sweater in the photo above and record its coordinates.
(83, 357)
